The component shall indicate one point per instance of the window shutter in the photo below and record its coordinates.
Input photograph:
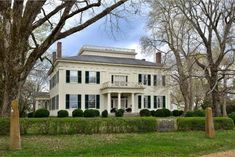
(67, 101)
(112, 78)
(98, 77)
(87, 76)
(79, 76)
(149, 101)
(155, 102)
(86, 101)
(149, 80)
(79, 101)
(164, 101)
(67, 76)
(163, 80)
(155, 80)
(97, 101)
(140, 78)
(139, 102)
(126, 78)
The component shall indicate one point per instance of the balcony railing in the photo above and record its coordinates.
(120, 84)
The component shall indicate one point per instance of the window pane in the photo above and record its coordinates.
(73, 101)
(92, 77)
(91, 101)
(73, 76)
(145, 101)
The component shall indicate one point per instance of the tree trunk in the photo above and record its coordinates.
(216, 102)
(224, 97)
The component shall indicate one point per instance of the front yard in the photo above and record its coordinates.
(145, 144)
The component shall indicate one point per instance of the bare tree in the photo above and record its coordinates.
(171, 30)
(19, 22)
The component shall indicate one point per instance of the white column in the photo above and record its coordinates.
(119, 100)
(108, 102)
(142, 101)
(133, 102)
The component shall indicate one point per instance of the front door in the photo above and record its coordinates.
(124, 103)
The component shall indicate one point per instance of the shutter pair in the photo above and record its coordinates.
(140, 101)
(141, 81)
(68, 101)
(97, 77)
(97, 101)
(79, 75)
(163, 103)
(163, 80)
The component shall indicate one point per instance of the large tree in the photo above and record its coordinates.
(19, 22)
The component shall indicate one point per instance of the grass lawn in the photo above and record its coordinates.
(147, 144)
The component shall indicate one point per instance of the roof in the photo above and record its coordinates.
(42, 95)
(113, 60)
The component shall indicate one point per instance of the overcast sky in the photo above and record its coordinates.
(97, 34)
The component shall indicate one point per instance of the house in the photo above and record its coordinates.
(105, 78)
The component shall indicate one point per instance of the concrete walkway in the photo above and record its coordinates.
(230, 153)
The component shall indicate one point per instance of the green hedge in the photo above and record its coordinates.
(56, 126)
(198, 123)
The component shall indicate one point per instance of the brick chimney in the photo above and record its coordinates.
(158, 58)
(58, 50)
(53, 57)
(143, 60)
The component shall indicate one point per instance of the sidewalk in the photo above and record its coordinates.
(230, 153)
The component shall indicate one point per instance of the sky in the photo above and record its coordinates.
(99, 34)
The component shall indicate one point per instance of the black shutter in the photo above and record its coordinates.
(97, 101)
(155, 80)
(86, 101)
(112, 78)
(149, 101)
(164, 101)
(149, 80)
(140, 78)
(79, 101)
(126, 78)
(87, 76)
(98, 77)
(79, 77)
(155, 102)
(139, 101)
(67, 101)
(67, 76)
(163, 80)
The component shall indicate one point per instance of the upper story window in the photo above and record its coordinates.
(93, 77)
(145, 79)
(92, 101)
(73, 76)
(54, 80)
(120, 80)
(73, 101)
(159, 80)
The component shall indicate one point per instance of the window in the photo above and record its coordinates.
(54, 80)
(119, 80)
(54, 103)
(159, 101)
(73, 76)
(92, 77)
(73, 101)
(159, 80)
(145, 79)
(147, 101)
(92, 101)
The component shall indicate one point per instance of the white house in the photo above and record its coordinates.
(104, 78)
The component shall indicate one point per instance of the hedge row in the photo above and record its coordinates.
(198, 123)
(55, 126)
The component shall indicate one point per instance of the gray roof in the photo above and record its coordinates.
(114, 60)
(42, 95)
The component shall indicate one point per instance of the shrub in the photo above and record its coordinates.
(230, 109)
(119, 113)
(128, 110)
(113, 110)
(104, 113)
(145, 113)
(167, 112)
(62, 113)
(91, 113)
(162, 113)
(153, 113)
(232, 116)
(197, 113)
(122, 110)
(177, 113)
(198, 123)
(40, 113)
(77, 113)
(5, 126)
(30, 114)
